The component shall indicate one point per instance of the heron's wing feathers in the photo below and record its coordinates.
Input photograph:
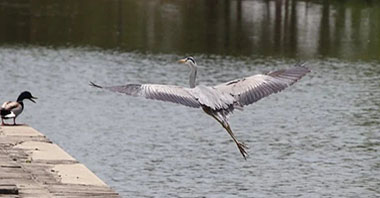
(251, 89)
(168, 93)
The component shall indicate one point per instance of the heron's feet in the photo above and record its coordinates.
(242, 148)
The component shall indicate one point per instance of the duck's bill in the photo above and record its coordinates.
(31, 99)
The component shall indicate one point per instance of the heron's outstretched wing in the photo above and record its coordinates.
(168, 93)
(251, 89)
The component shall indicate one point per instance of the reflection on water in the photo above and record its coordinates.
(318, 138)
(289, 28)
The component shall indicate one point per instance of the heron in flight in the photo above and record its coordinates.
(217, 101)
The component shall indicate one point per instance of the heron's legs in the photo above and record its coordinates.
(242, 148)
(2, 122)
(14, 121)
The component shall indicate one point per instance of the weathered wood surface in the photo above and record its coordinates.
(8, 189)
(32, 166)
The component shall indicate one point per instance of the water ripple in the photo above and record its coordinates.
(319, 138)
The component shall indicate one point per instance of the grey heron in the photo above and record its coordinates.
(217, 101)
(12, 109)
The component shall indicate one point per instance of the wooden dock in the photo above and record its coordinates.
(32, 166)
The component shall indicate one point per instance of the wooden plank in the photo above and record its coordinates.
(9, 196)
(22, 175)
(37, 167)
(8, 189)
(13, 165)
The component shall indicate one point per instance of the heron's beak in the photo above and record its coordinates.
(31, 99)
(182, 60)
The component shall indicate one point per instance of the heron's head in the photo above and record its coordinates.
(188, 61)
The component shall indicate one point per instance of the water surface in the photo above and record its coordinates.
(318, 138)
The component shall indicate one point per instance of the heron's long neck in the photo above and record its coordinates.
(193, 75)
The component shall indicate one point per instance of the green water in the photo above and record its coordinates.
(294, 29)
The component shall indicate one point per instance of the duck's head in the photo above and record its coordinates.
(26, 95)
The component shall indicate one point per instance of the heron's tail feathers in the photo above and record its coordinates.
(238, 106)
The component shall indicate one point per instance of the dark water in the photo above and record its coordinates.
(344, 29)
(318, 138)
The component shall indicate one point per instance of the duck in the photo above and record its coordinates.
(12, 109)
